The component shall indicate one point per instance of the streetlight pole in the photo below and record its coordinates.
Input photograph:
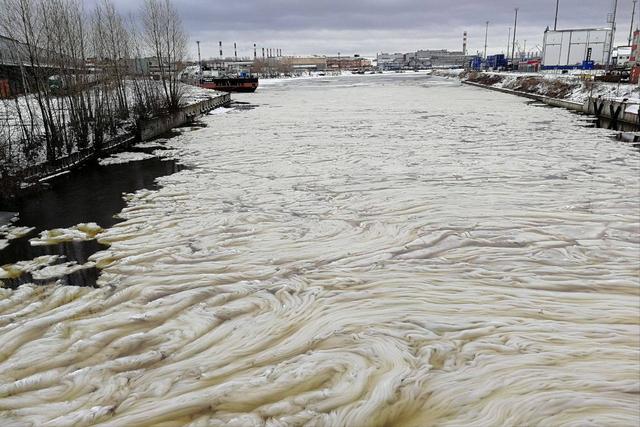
(486, 38)
(633, 16)
(613, 34)
(513, 45)
(555, 24)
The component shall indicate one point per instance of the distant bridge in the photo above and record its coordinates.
(14, 61)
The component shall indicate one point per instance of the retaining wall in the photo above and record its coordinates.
(148, 129)
(152, 128)
(599, 107)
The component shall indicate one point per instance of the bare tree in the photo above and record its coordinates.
(165, 38)
(76, 78)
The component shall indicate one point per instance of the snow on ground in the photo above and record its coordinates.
(583, 89)
(548, 84)
(194, 94)
(12, 109)
(125, 157)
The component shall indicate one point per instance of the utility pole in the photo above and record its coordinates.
(633, 16)
(555, 24)
(513, 45)
(199, 62)
(613, 34)
(486, 38)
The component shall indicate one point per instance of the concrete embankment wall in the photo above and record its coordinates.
(157, 126)
(601, 108)
(11, 185)
(575, 106)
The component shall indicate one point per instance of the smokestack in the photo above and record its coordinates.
(263, 53)
(255, 52)
(464, 44)
(235, 51)
(220, 49)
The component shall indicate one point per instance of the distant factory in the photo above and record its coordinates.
(421, 60)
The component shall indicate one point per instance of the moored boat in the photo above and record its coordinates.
(230, 84)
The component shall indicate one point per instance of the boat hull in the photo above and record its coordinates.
(246, 85)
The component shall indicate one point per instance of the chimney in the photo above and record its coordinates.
(464, 44)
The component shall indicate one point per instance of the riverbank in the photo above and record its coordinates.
(197, 102)
(618, 104)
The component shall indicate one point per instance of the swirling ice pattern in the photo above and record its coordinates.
(379, 251)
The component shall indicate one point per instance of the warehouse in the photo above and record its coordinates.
(575, 49)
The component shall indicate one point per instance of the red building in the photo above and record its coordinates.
(348, 63)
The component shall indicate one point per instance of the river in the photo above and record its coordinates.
(388, 250)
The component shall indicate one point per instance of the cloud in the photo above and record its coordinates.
(370, 26)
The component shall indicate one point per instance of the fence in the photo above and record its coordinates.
(146, 129)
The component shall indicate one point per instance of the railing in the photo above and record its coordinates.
(32, 174)
(50, 168)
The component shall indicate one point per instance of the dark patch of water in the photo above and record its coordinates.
(91, 194)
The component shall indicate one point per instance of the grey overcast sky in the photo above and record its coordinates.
(368, 26)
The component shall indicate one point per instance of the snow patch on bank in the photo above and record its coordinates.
(567, 87)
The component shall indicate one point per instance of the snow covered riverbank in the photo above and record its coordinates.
(565, 87)
(23, 112)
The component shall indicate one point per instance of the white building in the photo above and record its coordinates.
(622, 56)
(568, 49)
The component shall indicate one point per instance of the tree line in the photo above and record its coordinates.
(83, 76)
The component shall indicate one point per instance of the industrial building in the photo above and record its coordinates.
(422, 59)
(353, 63)
(576, 49)
(306, 63)
(390, 61)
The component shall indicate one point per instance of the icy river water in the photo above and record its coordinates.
(359, 251)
